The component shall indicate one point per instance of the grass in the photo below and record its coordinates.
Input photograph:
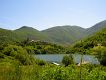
(12, 71)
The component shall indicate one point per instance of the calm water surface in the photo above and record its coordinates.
(58, 58)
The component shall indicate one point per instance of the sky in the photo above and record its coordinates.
(43, 14)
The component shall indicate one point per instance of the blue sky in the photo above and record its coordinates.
(43, 14)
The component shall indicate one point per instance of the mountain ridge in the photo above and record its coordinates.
(85, 45)
(59, 34)
(96, 27)
(64, 34)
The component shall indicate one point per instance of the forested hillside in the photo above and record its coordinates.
(64, 35)
(7, 36)
(17, 62)
(42, 47)
(98, 39)
(18, 57)
(97, 27)
(31, 33)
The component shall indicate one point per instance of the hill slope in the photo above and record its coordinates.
(7, 36)
(31, 33)
(59, 34)
(96, 27)
(65, 34)
(97, 39)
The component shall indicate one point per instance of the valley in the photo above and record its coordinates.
(30, 54)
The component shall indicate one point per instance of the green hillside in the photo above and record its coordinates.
(96, 27)
(7, 36)
(85, 45)
(65, 34)
(31, 33)
(18, 62)
(42, 47)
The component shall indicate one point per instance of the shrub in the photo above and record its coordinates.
(18, 53)
(40, 62)
(100, 52)
(67, 60)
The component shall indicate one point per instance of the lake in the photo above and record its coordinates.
(58, 58)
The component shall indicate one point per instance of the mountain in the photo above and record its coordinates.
(60, 34)
(21, 34)
(7, 36)
(65, 34)
(96, 27)
(31, 33)
(70, 34)
(95, 40)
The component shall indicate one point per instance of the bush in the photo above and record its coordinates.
(17, 53)
(40, 62)
(55, 73)
(67, 60)
(100, 52)
(9, 71)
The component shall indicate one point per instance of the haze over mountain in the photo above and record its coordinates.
(98, 39)
(96, 27)
(59, 34)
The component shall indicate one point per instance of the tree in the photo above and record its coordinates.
(18, 53)
(67, 60)
(100, 52)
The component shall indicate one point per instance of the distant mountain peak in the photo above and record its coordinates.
(25, 27)
(65, 34)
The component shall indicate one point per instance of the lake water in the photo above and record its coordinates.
(58, 58)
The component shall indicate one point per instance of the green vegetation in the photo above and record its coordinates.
(18, 47)
(64, 35)
(51, 72)
(84, 46)
(94, 45)
(67, 60)
(41, 47)
(17, 63)
(97, 27)
(100, 52)
(7, 36)
(18, 53)
(31, 33)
